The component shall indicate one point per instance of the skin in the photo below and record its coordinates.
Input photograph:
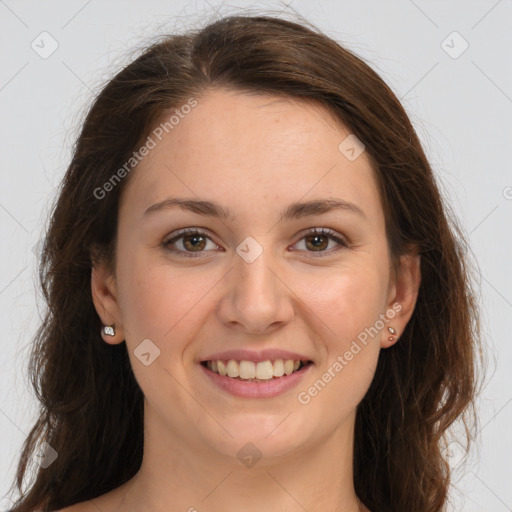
(254, 154)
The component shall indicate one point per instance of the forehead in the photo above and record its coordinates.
(251, 151)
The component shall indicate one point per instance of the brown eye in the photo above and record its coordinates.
(317, 242)
(190, 243)
(194, 242)
(324, 242)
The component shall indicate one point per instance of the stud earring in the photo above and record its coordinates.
(392, 331)
(109, 330)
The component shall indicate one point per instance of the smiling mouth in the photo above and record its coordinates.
(250, 371)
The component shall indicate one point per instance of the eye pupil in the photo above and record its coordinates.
(188, 238)
(316, 239)
(191, 242)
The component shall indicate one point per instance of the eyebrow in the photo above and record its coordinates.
(293, 211)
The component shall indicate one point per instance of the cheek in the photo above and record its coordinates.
(349, 306)
(159, 302)
(346, 300)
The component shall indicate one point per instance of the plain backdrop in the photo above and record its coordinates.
(450, 64)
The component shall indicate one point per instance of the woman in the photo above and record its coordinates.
(257, 300)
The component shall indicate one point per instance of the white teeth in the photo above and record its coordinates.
(288, 366)
(247, 370)
(232, 368)
(221, 368)
(278, 368)
(263, 370)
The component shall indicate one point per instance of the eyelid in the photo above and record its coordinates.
(340, 239)
(183, 232)
(187, 231)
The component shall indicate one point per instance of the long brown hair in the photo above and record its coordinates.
(91, 409)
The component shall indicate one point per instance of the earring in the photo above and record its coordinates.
(392, 331)
(109, 330)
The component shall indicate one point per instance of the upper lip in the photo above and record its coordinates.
(270, 354)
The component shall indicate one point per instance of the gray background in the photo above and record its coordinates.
(460, 103)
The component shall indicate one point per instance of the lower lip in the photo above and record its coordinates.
(268, 389)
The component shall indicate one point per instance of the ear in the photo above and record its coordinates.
(402, 297)
(104, 296)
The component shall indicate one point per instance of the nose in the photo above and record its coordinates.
(256, 298)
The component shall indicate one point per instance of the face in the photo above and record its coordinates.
(315, 285)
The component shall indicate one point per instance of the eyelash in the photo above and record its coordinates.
(313, 232)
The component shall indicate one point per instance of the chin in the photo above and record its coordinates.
(267, 434)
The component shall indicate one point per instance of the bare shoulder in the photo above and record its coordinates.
(73, 508)
(111, 501)
(84, 506)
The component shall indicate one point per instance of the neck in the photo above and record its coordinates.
(190, 477)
